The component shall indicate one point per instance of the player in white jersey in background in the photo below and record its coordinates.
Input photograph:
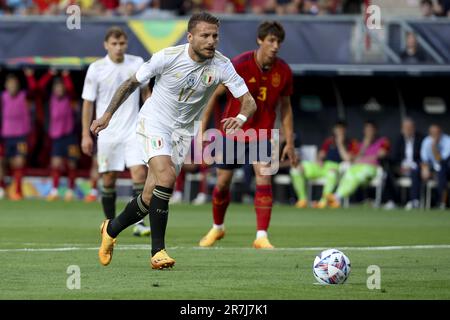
(117, 146)
(186, 77)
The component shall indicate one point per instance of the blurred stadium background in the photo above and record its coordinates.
(342, 70)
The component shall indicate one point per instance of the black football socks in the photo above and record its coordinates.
(109, 202)
(134, 211)
(138, 188)
(159, 213)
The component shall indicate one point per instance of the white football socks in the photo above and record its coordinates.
(261, 234)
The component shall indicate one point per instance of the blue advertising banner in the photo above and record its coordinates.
(308, 41)
(51, 42)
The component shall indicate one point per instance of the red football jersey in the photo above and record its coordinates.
(266, 87)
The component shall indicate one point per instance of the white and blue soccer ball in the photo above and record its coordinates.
(331, 267)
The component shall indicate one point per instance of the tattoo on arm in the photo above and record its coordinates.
(122, 93)
(248, 105)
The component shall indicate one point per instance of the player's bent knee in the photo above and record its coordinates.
(109, 180)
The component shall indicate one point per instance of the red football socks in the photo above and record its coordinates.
(220, 202)
(18, 175)
(56, 174)
(263, 206)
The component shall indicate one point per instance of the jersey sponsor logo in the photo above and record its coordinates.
(252, 80)
(190, 82)
(156, 143)
(208, 76)
(276, 79)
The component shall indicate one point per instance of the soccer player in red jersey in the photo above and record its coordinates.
(270, 82)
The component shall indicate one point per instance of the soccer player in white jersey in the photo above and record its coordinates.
(117, 146)
(186, 77)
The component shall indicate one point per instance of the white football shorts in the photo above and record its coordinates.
(118, 155)
(155, 141)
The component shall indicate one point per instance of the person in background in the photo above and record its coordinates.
(442, 7)
(133, 7)
(61, 130)
(364, 167)
(39, 142)
(2, 171)
(352, 6)
(426, 8)
(94, 175)
(288, 6)
(262, 6)
(333, 151)
(412, 54)
(435, 156)
(117, 147)
(405, 161)
(16, 125)
(270, 82)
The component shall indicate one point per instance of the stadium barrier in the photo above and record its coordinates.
(312, 45)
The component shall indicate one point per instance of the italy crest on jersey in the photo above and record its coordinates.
(208, 76)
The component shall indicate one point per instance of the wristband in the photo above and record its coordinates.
(240, 116)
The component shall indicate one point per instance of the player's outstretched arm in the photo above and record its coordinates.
(248, 108)
(122, 93)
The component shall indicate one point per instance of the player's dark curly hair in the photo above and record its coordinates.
(115, 32)
(202, 17)
(271, 27)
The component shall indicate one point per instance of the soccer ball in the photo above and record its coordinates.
(331, 267)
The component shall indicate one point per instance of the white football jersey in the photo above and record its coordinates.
(102, 80)
(183, 86)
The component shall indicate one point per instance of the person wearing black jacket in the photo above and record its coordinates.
(405, 161)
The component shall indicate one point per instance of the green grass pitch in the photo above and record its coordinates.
(60, 234)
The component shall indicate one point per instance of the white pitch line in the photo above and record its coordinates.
(148, 247)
